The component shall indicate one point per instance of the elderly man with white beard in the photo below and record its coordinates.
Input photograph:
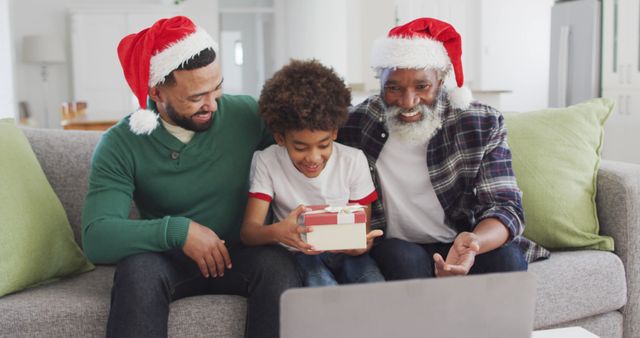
(449, 202)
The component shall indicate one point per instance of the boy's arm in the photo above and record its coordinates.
(287, 231)
(253, 232)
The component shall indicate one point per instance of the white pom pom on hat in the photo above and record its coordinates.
(153, 53)
(460, 97)
(424, 43)
(143, 121)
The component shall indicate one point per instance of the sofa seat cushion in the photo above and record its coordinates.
(79, 307)
(578, 284)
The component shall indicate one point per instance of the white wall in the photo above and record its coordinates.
(378, 16)
(203, 12)
(344, 41)
(355, 56)
(7, 102)
(245, 25)
(515, 47)
(338, 33)
(317, 29)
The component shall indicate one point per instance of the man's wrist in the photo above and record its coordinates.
(177, 230)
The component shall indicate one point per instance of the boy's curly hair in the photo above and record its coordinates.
(304, 95)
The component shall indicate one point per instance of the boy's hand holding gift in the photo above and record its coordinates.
(288, 231)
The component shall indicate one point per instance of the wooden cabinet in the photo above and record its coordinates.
(621, 44)
(97, 75)
(621, 78)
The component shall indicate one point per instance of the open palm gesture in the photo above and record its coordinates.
(460, 258)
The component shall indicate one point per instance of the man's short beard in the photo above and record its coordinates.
(414, 132)
(185, 121)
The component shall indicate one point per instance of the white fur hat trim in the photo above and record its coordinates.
(460, 97)
(178, 53)
(143, 121)
(415, 53)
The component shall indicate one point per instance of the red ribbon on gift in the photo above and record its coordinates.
(331, 215)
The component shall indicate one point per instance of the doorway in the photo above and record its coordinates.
(247, 45)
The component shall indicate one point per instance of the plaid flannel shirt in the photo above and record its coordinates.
(469, 164)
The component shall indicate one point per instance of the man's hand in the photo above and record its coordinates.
(373, 234)
(288, 231)
(460, 258)
(207, 250)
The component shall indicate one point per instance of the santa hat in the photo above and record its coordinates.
(153, 53)
(424, 43)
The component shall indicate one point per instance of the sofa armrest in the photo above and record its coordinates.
(618, 203)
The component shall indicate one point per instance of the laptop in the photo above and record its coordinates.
(491, 305)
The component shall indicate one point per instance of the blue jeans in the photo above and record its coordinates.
(399, 259)
(145, 284)
(332, 269)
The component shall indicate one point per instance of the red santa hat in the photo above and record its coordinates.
(424, 43)
(153, 53)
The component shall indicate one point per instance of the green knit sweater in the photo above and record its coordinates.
(171, 183)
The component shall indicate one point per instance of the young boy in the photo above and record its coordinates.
(304, 105)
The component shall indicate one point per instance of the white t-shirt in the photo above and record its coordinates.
(411, 206)
(345, 178)
(180, 133)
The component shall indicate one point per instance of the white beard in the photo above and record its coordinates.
(419, 132)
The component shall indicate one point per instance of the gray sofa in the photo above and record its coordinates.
(599, 291)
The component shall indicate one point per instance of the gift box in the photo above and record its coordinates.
(335, 228)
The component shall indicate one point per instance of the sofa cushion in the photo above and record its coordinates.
(577, 284)
(65, 157)
(556, 155)
(36, 242)
(79, 307)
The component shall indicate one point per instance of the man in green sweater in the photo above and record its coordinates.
(185, 162)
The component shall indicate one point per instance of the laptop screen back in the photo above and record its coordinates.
(491, 306)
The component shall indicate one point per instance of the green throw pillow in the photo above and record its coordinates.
(556, 155)
(36, 241)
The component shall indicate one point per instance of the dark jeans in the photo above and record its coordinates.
(145, 284)
(336, 268)
(399, 259)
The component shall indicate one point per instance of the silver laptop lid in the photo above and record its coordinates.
(491, 306)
